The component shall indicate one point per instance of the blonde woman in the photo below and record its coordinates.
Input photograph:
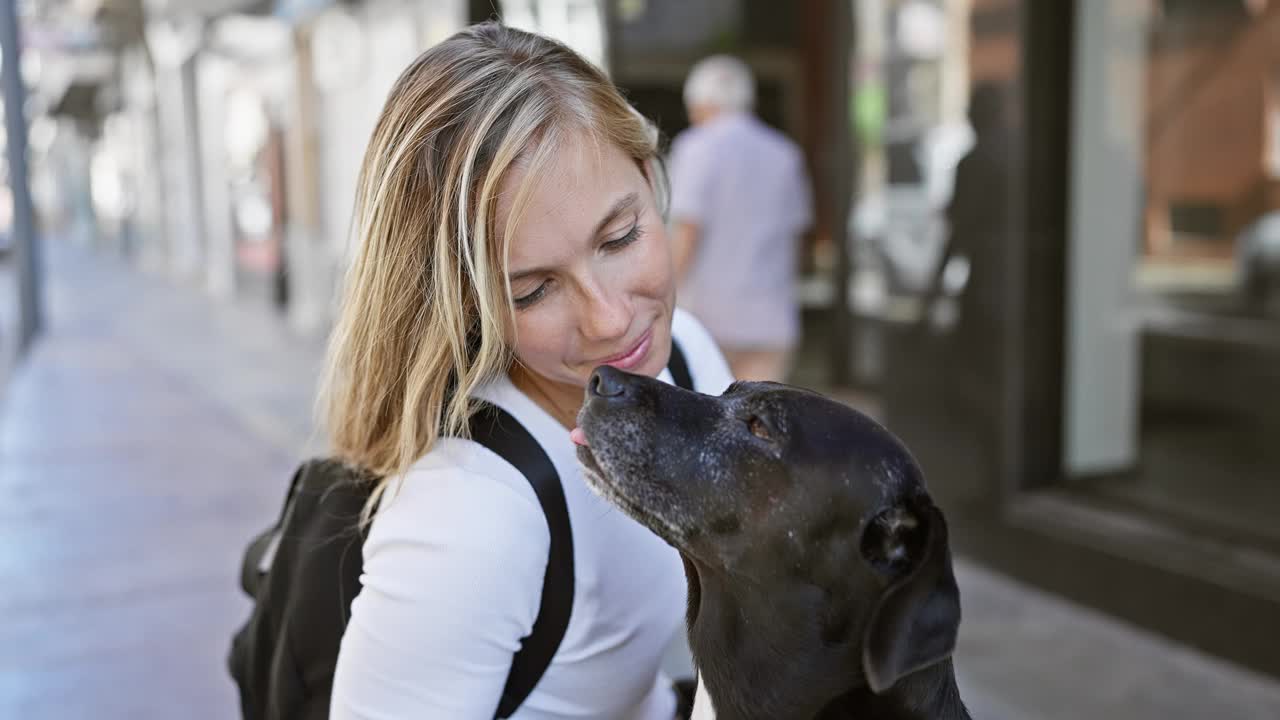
(511, 239)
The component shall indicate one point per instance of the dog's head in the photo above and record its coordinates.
(789, 503)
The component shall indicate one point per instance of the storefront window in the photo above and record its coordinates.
(911, 83)
(1173, 334)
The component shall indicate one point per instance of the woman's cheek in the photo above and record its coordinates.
(659, 272)
(536, 336)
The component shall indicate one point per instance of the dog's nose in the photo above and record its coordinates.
(607, 382)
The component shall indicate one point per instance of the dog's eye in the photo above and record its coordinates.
(759, 428)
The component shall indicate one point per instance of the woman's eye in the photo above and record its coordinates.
(526, 300)
(632, 235)
(759, 428)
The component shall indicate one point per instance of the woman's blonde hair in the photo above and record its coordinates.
(427, 314)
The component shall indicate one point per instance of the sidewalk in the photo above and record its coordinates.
(153, 430)
(141, 443)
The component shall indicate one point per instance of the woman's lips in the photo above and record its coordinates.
(633, 357)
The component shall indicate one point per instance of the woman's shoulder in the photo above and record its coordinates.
(460, 493)
(452, 579)
(710, 371)
(692, 335)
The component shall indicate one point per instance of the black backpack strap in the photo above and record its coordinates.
(679, 367)
(497, 430)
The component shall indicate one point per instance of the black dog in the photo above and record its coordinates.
(820, 581)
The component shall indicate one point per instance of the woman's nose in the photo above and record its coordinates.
(605, 315)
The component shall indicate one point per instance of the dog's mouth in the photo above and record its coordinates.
(614, 489)
(694, 582)
(599, 481)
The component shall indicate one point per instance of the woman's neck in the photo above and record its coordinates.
(561, 401)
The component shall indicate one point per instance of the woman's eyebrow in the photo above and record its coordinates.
(623, 203)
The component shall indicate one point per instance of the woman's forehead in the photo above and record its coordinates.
(566, 198)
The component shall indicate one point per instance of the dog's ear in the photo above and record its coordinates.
(914, 624)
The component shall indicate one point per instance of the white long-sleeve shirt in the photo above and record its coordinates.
(453, 571)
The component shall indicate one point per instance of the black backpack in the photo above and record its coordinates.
(304, 571)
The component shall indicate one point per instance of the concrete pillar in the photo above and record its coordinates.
(304, 237)
(179, 128)
(219, 255)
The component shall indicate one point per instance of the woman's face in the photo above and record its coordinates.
(590, 266)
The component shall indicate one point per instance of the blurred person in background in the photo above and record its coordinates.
(740, 203)
(511, 239)
(977, 222)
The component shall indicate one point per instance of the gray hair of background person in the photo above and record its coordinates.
(721, 81)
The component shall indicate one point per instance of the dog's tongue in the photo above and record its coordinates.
(578, 437)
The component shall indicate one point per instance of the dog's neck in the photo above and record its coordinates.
(751, 668)
(930, 699)
(928, 694)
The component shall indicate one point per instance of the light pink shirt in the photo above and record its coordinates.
(745, 185)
